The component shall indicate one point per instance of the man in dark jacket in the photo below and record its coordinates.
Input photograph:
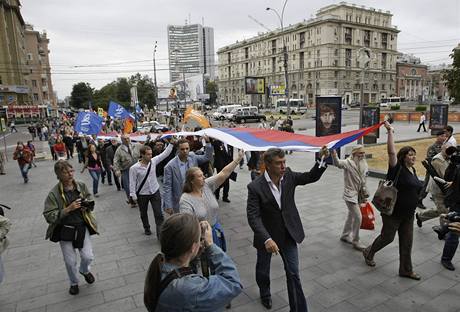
(223, 155)
(275, 220)
(109, 154)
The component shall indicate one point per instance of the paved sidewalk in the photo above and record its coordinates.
(334, 275)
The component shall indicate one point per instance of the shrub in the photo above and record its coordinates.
(395, 107)
(420, 108)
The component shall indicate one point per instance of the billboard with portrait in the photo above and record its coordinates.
(438, 116)
(328, 115)
(254, 85)
(371, 116)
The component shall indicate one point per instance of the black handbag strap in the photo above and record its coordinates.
(177, 273)
(1, 209)
(395, 181)
(145, 179)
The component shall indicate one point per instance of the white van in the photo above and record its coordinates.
(297, 106)
(221, 111)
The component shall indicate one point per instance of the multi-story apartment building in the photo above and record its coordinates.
(437, 88)
(191, 51)
(411, 78)
(40, 85)
(322, 57)
(13, 73)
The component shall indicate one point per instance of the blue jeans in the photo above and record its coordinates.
(70, 258)
(24, 170)
(450, 246)
(2, 270)
(125, 181)
(290, 256)
(95, 175)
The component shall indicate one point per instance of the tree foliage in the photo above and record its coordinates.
(81, 95)
(118, 91)
(452, 76)
(212, 89)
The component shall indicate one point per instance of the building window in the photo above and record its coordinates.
(348, 35)
(384, 60)
(35, 96)
(34, 83)
(1, 82)
(348, 57)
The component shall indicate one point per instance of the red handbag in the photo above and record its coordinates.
(368, 218)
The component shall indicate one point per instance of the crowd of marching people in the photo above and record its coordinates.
(181, 179)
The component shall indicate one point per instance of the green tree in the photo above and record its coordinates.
(123, 92)
(145, 89)
(103, 96)
(452, 76)
(81, 95)
(212, 89)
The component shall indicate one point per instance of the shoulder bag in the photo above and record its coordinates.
(386, 194)
(145, 179)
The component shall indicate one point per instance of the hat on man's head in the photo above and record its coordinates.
(357, 149)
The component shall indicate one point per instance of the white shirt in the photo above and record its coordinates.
(274, 188)
(452, 141)
(138, 171)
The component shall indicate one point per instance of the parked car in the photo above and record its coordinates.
(246, 114)
(154, 127)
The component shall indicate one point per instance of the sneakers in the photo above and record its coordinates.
(148, 232)
(73, 290)
(448, 265)
(419, 221)
(345, 239)
(89, 277)
(358, 246)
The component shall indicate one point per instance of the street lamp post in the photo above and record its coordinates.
(285, 55)
(364, 57)
(155, 74)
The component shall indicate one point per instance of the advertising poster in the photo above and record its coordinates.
(277, 90)
(371, 116)
(438, 117)
(328, 115)
(328, 118)
(255, 85)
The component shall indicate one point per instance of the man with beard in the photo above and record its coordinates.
(355, 171)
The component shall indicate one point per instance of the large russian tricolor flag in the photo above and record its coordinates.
(251, 139)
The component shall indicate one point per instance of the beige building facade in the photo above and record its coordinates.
(39, 80)
(13, 72)
(323, 58)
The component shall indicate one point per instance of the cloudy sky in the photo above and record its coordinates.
(99, 40)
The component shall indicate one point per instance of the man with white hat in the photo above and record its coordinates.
(354, 193)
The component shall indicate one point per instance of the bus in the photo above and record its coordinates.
(297, 106)
(396, 100)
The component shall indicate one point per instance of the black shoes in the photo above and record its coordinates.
(226, 200)
(419, 221)
(89, 278)
(148, 232)
(73, 290)
(266, 302)
(448, 265)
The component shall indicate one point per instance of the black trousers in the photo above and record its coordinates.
(405, 230)
(225, 186)
(155, 201)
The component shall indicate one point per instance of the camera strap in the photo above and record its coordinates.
(177, 273)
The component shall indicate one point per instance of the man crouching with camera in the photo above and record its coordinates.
(452, 200)
(171, 285)
(68, 211)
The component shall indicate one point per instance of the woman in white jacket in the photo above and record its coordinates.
(355, 192)
(4, 228)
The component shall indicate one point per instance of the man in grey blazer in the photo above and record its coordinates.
(274, 218)
(174, 173)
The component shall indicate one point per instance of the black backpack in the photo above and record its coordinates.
(2, 213)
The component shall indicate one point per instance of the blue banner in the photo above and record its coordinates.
(118, 111)
(88, 123)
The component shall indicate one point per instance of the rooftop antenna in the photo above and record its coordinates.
(190, 18)
(202, 20)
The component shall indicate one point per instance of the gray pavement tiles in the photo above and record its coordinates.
(334, 276)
